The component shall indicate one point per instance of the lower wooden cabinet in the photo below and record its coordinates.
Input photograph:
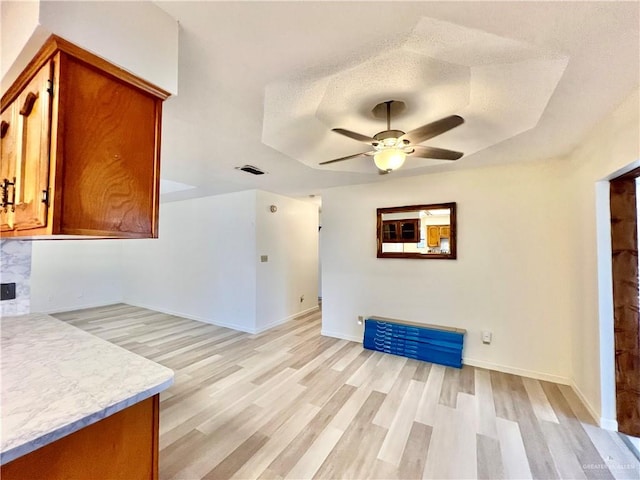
(123, 446)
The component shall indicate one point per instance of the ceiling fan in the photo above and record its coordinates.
(391, 147)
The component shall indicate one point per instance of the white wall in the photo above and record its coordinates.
(202, 266)
(509, 278)
(73, 274)
(19, 21)
(290, 239)
(206, 263)
(613, 147)
(137, 36)
(54, 276)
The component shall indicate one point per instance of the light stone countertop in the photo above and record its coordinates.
(56, 379)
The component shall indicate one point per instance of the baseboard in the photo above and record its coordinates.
(474, 363)
(342, 336)
(264, 328)
(316, 308)
(301, 314)
(233, 326)
(198, 318)
(607, 424)
(285, 319)
(78, 307)
(517, 371)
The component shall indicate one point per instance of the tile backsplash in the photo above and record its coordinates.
(15, 266)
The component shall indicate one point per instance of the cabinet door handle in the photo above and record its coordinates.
(4, 126)
(28, 104)
(12, 200)
(6, 200)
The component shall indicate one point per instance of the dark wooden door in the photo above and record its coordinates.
(624, 244)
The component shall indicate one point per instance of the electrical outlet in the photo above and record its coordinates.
(360, 319)
(486, 337)
(8, 291)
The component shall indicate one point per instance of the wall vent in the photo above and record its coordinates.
(251, 169)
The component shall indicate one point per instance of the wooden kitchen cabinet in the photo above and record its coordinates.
(433, 235)
(436, 233)
(401, 231)
(123, 446)
(81, 138)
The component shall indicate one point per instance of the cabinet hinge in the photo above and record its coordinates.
(50, 87)
(45, 197)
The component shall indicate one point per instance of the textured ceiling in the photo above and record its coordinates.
(263, 83)
(498, 85)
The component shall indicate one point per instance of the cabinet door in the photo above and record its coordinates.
(8, 137)
(110, 155)
(389, 231)
(410, 230)
(32, 164)
(433, 236)
(444, 231)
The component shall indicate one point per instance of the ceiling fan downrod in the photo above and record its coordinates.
(389, 114)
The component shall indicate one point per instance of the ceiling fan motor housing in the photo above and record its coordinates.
(388, 134)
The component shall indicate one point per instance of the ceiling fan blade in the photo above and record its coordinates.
(354, 135)
(345, 158)
(433, 129)
(436, 153)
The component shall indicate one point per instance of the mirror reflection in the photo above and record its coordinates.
(417, 231)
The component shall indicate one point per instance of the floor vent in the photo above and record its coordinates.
(251, 169)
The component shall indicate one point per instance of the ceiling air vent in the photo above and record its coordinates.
(251, 169)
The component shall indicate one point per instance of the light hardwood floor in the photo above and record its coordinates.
(289, 403)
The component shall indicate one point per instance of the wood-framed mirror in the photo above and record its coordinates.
(418, 231)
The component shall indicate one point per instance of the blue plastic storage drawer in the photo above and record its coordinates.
(430, 343)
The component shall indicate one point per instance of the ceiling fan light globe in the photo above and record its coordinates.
(389, 159)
